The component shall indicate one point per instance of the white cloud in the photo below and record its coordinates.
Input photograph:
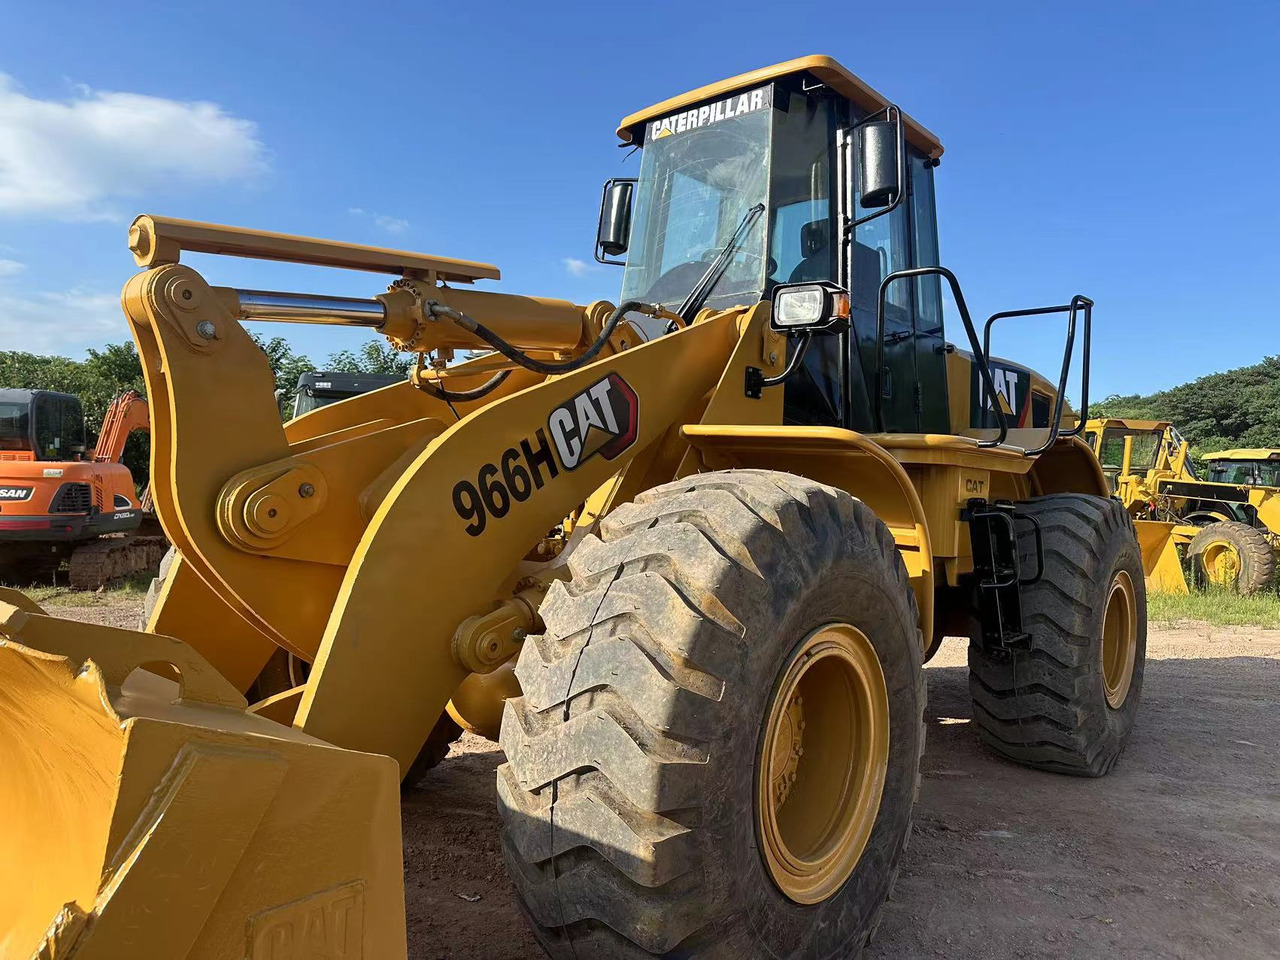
(396, 225)
(391, 224)
(579, 268)
(10, 268)
(61, 323)
(74, 159)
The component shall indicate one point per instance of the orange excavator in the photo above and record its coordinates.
(58, 502)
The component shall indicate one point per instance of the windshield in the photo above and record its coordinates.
(1146, 445)
(15, 427)
(1258, 473)
(695, 189)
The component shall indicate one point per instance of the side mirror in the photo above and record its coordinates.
(614, 232)
(878, 148)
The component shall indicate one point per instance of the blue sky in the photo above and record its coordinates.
(1122, 150)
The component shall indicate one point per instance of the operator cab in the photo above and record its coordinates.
(41, 425)
(768, 159)
(801, 173)
(1250, 468)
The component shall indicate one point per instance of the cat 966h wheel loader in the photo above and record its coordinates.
(684, 556)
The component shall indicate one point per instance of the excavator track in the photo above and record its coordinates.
(96, 564)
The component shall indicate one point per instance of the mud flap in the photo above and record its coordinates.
(1160, 563)
(145, 813)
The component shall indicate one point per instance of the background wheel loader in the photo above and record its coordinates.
(58, 502)
(692, 549)
(1227, 525)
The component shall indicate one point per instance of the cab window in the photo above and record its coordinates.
(59, 427)
(15, 426)
(1246, 472)
(1146, 445)
(803, 247)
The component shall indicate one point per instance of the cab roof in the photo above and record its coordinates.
(1248, 453)
(823, 69)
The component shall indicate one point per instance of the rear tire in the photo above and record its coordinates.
(1228, 547)
(1068, 703)
(631, 798)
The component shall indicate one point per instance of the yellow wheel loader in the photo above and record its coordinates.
(1227, 525)
(684, 556)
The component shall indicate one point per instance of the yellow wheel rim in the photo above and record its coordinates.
(1119, 640)
(822, 763)
(1221, 563)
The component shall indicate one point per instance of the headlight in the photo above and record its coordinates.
(809, 307)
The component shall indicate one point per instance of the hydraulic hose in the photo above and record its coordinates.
(466, 396)
(540, 366)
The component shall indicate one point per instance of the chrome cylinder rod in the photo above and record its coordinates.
(309, 308)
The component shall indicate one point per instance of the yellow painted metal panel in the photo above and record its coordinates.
(172, 822)
(1160, 563)
(385, 669)
(825, 69)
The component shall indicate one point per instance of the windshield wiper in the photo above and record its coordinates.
(702, 289)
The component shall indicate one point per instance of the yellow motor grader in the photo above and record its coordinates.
(684, 556)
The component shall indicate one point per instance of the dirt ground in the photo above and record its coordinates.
(1175, 854)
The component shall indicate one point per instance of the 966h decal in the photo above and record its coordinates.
(600, 421)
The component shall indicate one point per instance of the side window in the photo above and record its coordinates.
(801, 248)
(72, 427)
(880, 248)
(1040, 409)
(924, 241)
(48, 427)
(931, 362)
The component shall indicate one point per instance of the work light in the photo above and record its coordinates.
(810, 307)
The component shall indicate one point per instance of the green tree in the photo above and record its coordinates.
(286, 367)
(1235, 408)
(105, 374)
(374, 356)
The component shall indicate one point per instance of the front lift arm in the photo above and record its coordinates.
(373, 588)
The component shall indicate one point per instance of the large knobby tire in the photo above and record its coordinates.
(1068, 703)
(1234, 555)
(634, 822)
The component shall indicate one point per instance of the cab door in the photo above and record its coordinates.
(880, 247)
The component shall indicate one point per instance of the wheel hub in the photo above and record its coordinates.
(1222, 563)
(822, 764)
(1119, 640)
(788, 748)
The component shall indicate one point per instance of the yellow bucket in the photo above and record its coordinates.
(152, 817)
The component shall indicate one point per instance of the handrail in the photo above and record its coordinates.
(1077, 303)
(980, 356)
